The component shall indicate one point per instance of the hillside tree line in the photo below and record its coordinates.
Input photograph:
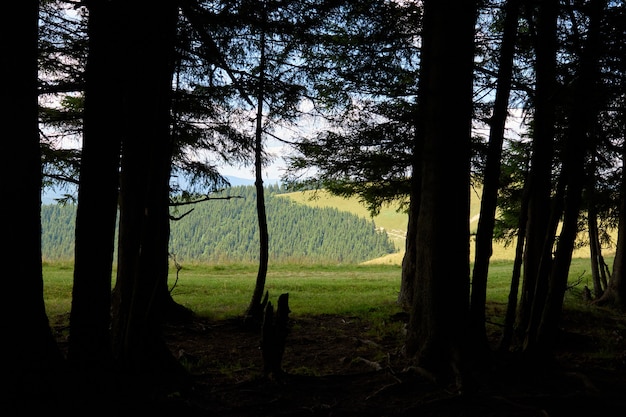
(226, 231)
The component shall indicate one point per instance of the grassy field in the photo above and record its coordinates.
(224, 291)
(221, 291)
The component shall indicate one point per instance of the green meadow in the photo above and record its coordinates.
(224, 291)
(219, 291)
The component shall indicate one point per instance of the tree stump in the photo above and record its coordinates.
(274, 336)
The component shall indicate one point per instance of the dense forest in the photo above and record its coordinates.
(225, 230)
(382, 100)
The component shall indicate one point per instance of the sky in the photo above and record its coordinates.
(272, 172)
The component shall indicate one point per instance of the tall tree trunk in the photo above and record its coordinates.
(582, 115)
(595, 248)
(29, 351)
(508, 331)
(545, 265)
(90, 317)
(537, 227)
(255, 309)
(615, 293)
(138, 342)
(488, 204)
(438, 321)
(407, 282)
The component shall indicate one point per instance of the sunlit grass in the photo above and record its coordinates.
(58, 278)
(313, 289)
(224, 291)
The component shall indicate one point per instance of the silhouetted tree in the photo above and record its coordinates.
(437, 330)
(96, 215)
(538, 246)
(138, 343)
(30, 355)
(491, 175)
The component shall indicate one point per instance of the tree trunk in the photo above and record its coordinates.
(491, 181)
(407, 287)
(407, 282)
(90, 317)
(545, 266)
(582, 115)
(537, 250)
(615, 293)
(28, 350)
(138, 343)
(255, 309)
(595, 248)
(508, 333)
(437, 328)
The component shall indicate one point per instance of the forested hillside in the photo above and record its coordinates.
(226, 230)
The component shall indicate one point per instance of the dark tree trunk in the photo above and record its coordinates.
(582, 115)
(508, 331)
(28, 350)
(491, 181)
(138, 342)
(407, 282)
(545, 266)
(437, 328)
(536, 250)
(595, 247)
(255, 309)
(90, 318)
(615, 293)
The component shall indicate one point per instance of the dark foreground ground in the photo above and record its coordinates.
(342, 366)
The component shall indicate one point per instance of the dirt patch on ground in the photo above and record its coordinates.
(344, 366)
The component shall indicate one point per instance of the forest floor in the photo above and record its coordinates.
(344, 366)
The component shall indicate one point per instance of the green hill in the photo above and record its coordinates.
(220, 231)
(395, 223)
(389, 219)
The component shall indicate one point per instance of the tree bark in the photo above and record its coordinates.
(255, 309)
(407, 287)
(615, 293)
(436, 334)
(138, 344)
(582, 115)
(491, 180)
(508, 332)
(537, 248)
(595, 248)
(90, 317)
(29, 354)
